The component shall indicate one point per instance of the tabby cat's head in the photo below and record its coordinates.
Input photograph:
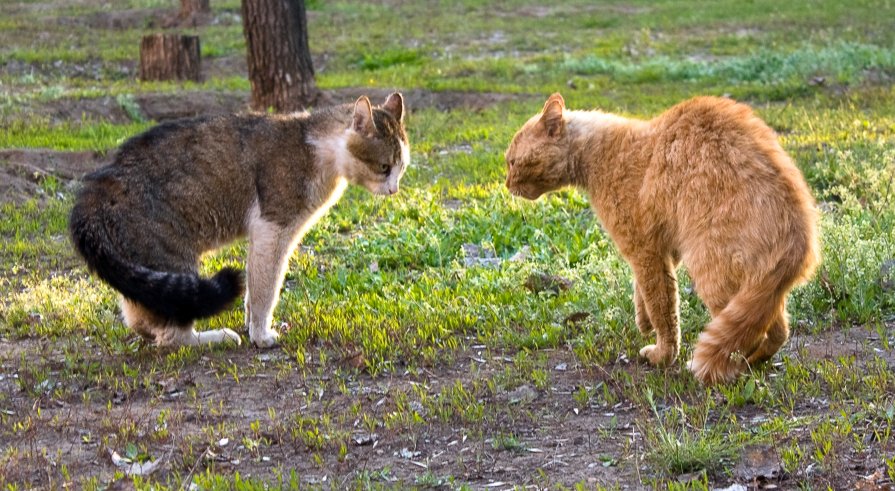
(537, 156)
(379, 143)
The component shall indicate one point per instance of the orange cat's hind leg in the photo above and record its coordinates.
(737, 333)
(778, 334)
(641, 315)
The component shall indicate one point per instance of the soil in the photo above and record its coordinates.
(554, 435)
(594, 443)
(22, 171)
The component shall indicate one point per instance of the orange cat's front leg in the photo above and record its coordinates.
(657, 287)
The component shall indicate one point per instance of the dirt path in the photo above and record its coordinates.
(269, 419)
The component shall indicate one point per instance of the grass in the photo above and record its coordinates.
(393, 327)
(79, 135)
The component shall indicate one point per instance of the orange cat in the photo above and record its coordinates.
(704, 183)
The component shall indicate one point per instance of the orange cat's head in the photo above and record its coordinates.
(537, 158)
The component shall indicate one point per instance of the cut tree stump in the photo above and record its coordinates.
(169, 57)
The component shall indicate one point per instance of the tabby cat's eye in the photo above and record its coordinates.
(383, 168)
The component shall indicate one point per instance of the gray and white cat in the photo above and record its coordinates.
(186, 187)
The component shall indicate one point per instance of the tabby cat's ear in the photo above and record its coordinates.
(551, 117)
(395, 106)
(363, 116)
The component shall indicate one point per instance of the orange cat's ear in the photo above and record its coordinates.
(551, 117)
(556, 96)
(363, 116)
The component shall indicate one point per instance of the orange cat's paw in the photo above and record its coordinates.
(765, 351)
(715, 368)
(658, 356)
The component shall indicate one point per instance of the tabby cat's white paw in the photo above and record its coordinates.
(216, 336)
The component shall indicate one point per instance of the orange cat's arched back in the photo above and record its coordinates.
(705, 184)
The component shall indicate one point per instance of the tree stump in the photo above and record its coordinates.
(169, 57)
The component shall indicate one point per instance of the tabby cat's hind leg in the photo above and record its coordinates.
(139, 319)
(164, 333)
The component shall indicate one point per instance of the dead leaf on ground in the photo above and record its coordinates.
(875, 482)
(355, 360)
(476, 255)
(132, 468)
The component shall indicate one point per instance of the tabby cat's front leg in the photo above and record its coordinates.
(270, 246)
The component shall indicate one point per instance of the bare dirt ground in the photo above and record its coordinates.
(23, 170)
(553, 434)
(253, 425)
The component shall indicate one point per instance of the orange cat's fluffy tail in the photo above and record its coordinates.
(736, 332)
(753, 325)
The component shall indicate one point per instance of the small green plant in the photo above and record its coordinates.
(390, 57)
(432, 480)
(130, 106)
(365, 479)
(681, 450)
(508, 442)
(746, 391)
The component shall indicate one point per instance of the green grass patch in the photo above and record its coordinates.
(84, 135)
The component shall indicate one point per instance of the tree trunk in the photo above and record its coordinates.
(169, 57)
(279, 60)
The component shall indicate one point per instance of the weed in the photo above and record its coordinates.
(682, 450)
(508, 442)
